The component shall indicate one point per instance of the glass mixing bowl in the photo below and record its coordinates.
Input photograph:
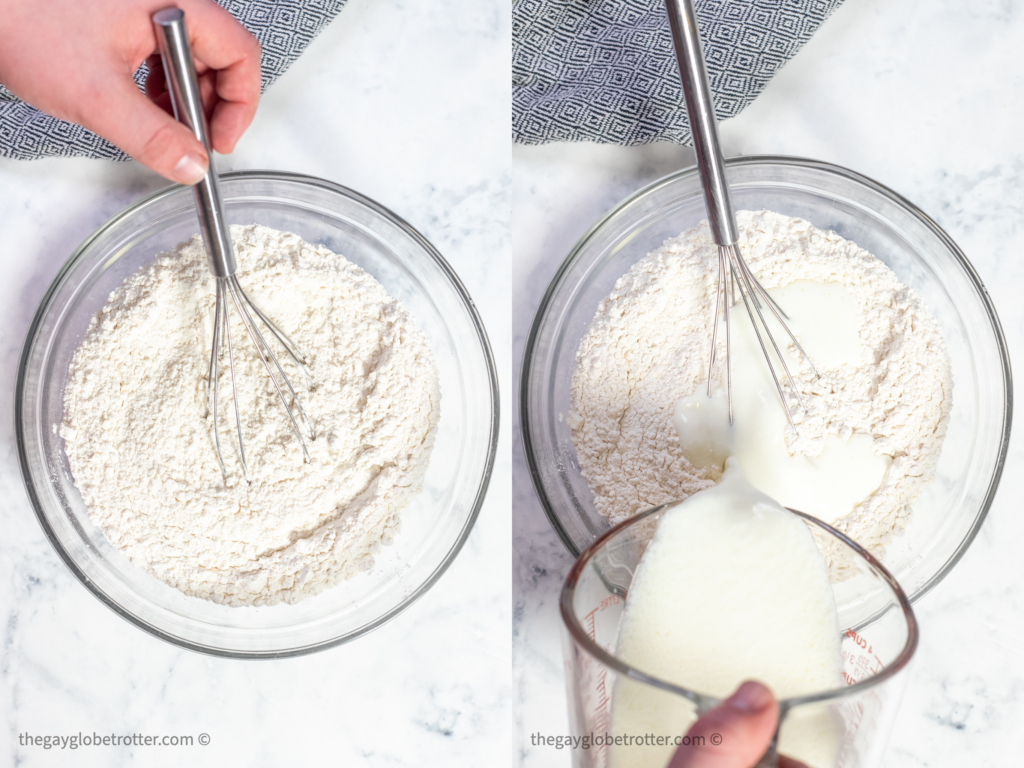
(949, 512)
(433, 527)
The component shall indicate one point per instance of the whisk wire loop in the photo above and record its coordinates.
(222, 332)
(290, 347)
(234, 387)
(735, 277)
(725, 285)
(263, 350)
(229, 290)
(214, 375)
(718, 306)
(780, 315)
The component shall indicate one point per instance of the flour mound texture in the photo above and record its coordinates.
(140, 443)
(649, 345)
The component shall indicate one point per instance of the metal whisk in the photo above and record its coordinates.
(183, 86)
(733, 273)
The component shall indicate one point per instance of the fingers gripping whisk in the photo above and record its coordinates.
(230, 294)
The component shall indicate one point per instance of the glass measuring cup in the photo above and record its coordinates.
(844, 727)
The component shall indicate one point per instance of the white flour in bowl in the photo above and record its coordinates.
(140, 443)
(649, 345)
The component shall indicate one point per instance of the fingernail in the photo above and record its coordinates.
(190, 170)
(750, 697)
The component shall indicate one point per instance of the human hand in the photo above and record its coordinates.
(745, 724)
(75, 61)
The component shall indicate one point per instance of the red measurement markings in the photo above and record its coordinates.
(861, 663)
(602, 722)
(603, 700)
(853, 715)
(859, 640)
(588, 620)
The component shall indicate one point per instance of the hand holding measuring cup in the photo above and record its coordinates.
(743, 725)
(846, 723)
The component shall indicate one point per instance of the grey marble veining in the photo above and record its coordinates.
(927, 99)
(408, 104)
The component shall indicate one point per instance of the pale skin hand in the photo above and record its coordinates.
(746, 722)
(74, 59)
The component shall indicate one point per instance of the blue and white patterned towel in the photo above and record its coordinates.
(605, 70)
(283, 27)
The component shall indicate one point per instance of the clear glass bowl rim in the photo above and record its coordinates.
(778, 160)
(704, 701)
(469, 305)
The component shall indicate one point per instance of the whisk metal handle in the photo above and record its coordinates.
(701, 110)
(182, 84)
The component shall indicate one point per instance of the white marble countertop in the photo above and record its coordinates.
(408, 104)
(929, 100)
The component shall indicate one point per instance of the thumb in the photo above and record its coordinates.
(735, 734)
(125, 117)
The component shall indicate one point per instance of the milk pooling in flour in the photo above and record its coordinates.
(648, 346)
(139, 439)
(846, 471)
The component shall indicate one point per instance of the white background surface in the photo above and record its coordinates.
(407, 103)
(928, 99)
